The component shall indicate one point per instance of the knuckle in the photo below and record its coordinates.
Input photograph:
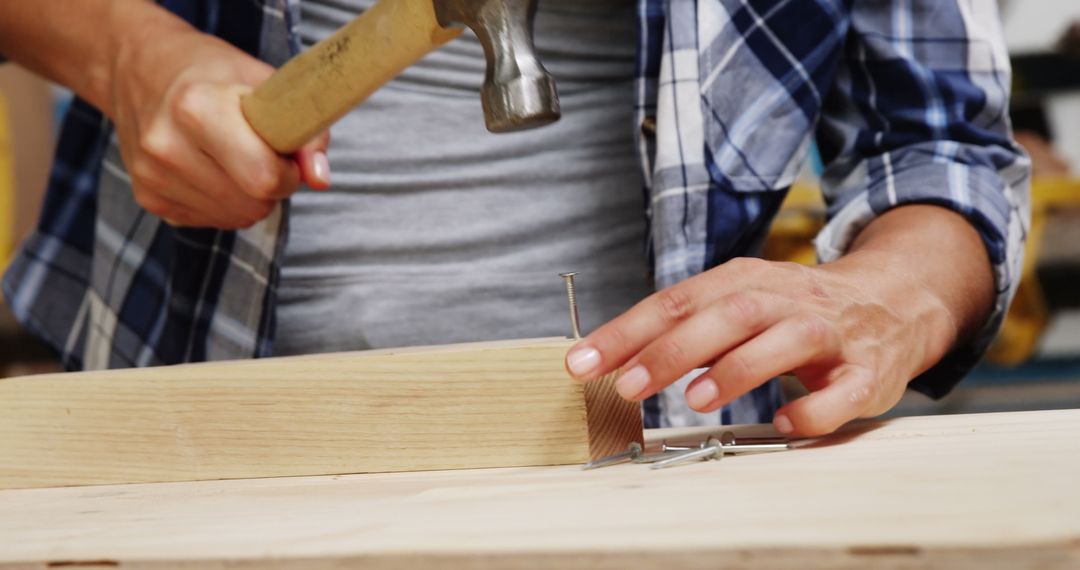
(669, 356)
(614, 338)
(674, 304)
(745, 309)
(738, 366)
(157, 144)
(886, 400)
(748, 265)
(863, 395)
(263, 184)
(792, 267)
(815, 330)
(187, 104)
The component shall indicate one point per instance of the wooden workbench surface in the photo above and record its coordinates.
(976, 491)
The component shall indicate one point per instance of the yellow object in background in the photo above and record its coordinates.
(1028, 316)
(7, 187)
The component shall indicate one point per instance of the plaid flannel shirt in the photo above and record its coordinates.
(907, 100)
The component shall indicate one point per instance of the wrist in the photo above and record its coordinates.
(890, 281)
(136, 28)
(931, 265)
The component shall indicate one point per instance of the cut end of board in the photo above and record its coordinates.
(613, 423)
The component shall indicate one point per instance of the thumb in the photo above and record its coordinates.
(849, 395)
(314, 165)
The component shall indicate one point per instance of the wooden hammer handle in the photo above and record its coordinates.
(321, 85)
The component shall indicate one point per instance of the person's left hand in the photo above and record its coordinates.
(855, 332)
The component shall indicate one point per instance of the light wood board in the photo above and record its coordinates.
(994, 491)
(499, 404)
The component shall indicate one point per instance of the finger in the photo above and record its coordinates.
(173, 213)
(213, 182)
(164, 195)
(314, 164)
(187, 163)
(853, 390)
(611, 345)
(792, 343)
(711, 332)
(211, 116)
(205, 211)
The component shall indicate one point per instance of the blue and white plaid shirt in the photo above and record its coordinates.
(907, 100)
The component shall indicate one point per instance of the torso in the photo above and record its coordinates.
(436, 231)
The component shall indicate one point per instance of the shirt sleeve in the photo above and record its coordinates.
(919, 115)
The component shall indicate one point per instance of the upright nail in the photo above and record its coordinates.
(571, 296)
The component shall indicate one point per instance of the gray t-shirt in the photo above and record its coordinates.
(436, 231)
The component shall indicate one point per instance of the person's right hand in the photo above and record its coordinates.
(193, 159)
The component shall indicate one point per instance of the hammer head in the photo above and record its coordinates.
(518, 92)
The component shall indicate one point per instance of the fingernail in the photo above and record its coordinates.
(321, 165)
(582, 360)
(632, 382)
(700, 395)
(783, 424)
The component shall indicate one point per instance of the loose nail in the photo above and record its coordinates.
(783, 424)
(582, 360)
(700, 395)
(632, 382)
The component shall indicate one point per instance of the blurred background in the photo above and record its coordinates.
(1034, 365)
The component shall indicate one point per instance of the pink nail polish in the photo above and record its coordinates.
(321, 165)
(702, 394)
(582, 360)
(632, 382)
(783, 424)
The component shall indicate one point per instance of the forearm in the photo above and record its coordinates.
(929, 261)
(77, 42)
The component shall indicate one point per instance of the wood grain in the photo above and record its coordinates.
(993, 491)
(612, 421)
(322, 84)
(466, 406)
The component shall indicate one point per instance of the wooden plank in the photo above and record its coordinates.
(455, 407)
(992, 491)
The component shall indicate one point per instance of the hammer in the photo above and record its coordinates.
(321, 85)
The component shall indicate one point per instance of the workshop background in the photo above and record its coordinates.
(1034, 365)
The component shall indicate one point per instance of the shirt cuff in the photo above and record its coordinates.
(998, 210)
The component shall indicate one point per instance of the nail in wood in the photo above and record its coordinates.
(571, 295)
